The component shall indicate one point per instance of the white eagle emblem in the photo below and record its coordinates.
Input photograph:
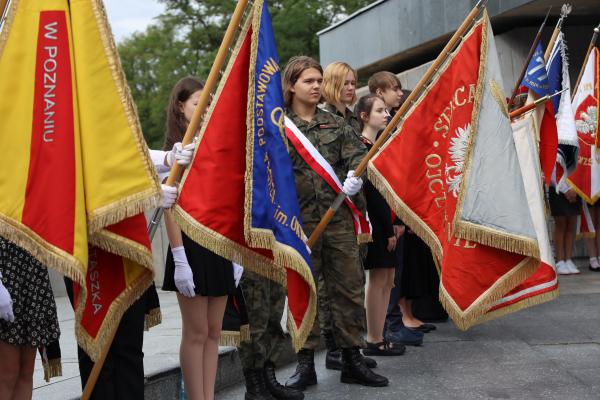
(457, 152)
(587, 123)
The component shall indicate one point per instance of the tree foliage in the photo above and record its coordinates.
(185, 39)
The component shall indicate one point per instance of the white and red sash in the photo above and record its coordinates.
(317, 162)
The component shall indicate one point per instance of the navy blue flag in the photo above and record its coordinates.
(536, 77)
(555, 71)
(276, 221)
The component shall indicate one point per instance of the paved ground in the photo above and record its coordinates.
(550, 351)
(547, 352)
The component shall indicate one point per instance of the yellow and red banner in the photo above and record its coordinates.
(452, 173)
(76, 160)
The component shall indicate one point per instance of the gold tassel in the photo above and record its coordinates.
(52, 369)
(152, 319)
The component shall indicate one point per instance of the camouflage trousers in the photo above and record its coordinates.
(340, 282)
(265, 302)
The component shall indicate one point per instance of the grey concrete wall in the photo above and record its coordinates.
(395, 26)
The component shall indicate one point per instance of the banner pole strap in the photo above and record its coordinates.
(431, 71)
(587, 55)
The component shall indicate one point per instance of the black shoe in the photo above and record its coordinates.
(354, 370)
(333, 359)
(279, 391)
(255, 385)
(305, 374)
(369, 362)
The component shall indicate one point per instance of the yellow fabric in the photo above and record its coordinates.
(18, 42)
(118, 174)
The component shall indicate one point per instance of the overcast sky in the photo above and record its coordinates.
(128, 16)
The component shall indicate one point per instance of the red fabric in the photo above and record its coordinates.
(49, 208)
(468, 270)
(548, 142)
(214, 190)
(105, 281)
(543, 280)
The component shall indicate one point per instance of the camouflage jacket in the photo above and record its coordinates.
(350, 117)
(338, 144)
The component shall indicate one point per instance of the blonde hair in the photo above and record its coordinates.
(294, 68)
(383, 80)
(334, 78)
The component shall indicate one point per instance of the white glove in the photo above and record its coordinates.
(184, 278)
(6, 310)
(182, 154)
(352, 184)
(238, 270)
(169, 196)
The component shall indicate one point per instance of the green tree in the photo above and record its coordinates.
(185, 39)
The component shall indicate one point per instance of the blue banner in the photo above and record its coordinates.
(274, 201)
(555, 68)
(536, 77)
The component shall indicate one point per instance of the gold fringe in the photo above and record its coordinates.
(52, 369)
(8, 22)
(152, 319)
(256, 263)
(118, 74)
(94, 346)
(470, 317)
(582, 194)
(468, 230)
(47, 254)
(364, 238)
(123, 247)
(124, 208)
(245, 333)
(412, 220)
(520, 305)
(491, 237)
(586, 235)
(299, 334)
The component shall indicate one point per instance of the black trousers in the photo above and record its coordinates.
(122, 375)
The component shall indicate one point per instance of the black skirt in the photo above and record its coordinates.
(560, 206)
(213, 274)
(378, 255)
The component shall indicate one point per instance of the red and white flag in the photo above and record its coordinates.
(459, 184)
(586, 178)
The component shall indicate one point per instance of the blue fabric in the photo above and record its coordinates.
(536, 77)
(274, 201)
(554, 68)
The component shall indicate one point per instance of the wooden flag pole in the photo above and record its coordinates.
(564, 13)
(211, 81)
(528, 107)
(3, 4)
(587, 55)
(537, 39)
(399, 114)
(176, 169)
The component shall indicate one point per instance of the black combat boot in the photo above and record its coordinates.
(276, 389)
(333, 358)
(255, 385)
(354, 370)
(305, 374)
